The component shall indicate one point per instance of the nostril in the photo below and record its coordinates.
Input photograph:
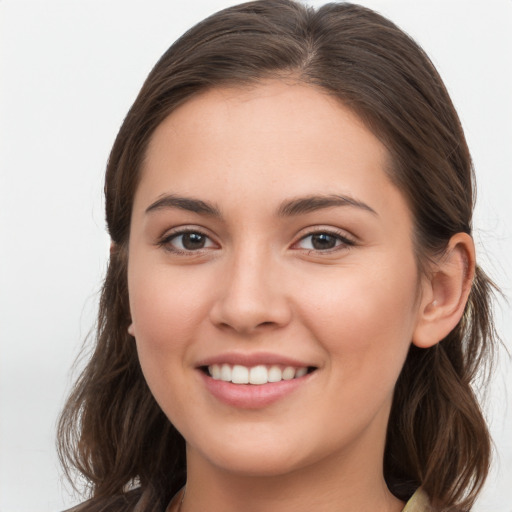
(266, 324)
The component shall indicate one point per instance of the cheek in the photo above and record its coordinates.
(165, 308)
(166, 315)
(364, 315)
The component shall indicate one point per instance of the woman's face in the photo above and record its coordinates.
(267, 243)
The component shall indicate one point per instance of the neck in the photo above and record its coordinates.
(332, 485)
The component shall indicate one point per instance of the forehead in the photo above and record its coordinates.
(258, 108)
(271, 139)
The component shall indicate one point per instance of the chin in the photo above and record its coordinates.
(259, 465)
(262, 459)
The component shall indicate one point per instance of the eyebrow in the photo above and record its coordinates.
(184, 203)
(309, 204)
(293, 207)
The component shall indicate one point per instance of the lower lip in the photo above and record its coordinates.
(251, 396)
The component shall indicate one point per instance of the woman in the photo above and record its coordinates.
(292, 316)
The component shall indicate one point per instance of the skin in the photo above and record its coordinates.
(260, 284)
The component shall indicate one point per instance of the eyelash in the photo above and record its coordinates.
(341, 240)
(166, 241)
(344, 241)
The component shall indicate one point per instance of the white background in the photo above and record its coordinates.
(69, 70)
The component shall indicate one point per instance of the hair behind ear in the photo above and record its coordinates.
(111, 413)
(437, 435)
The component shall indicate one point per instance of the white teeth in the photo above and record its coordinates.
(215, 371)
(225, 373)
(301, 372)
(258, 375)
(261, 374)
(275, 374)
(240, 375)
(288, 373)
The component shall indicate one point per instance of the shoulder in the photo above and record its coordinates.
(419, 502)
(120, 503)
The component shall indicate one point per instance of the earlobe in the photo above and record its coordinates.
(445, 292)
(131, 330)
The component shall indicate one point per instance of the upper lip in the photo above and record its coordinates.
(254, 359)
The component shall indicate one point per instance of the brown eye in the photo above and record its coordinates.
(187, 241)
(193, 241)
(324, 241)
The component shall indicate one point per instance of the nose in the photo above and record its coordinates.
(251, 297)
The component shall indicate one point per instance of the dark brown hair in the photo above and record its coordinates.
(113, 432)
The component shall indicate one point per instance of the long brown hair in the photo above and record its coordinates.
(113, 432)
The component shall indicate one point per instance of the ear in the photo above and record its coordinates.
(131, 330)
(445, 292)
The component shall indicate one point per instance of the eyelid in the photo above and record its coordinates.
(347, 240)
(164, 241)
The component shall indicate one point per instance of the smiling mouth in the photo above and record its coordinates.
(258, 375)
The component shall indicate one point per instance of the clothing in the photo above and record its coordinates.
(418, 503)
